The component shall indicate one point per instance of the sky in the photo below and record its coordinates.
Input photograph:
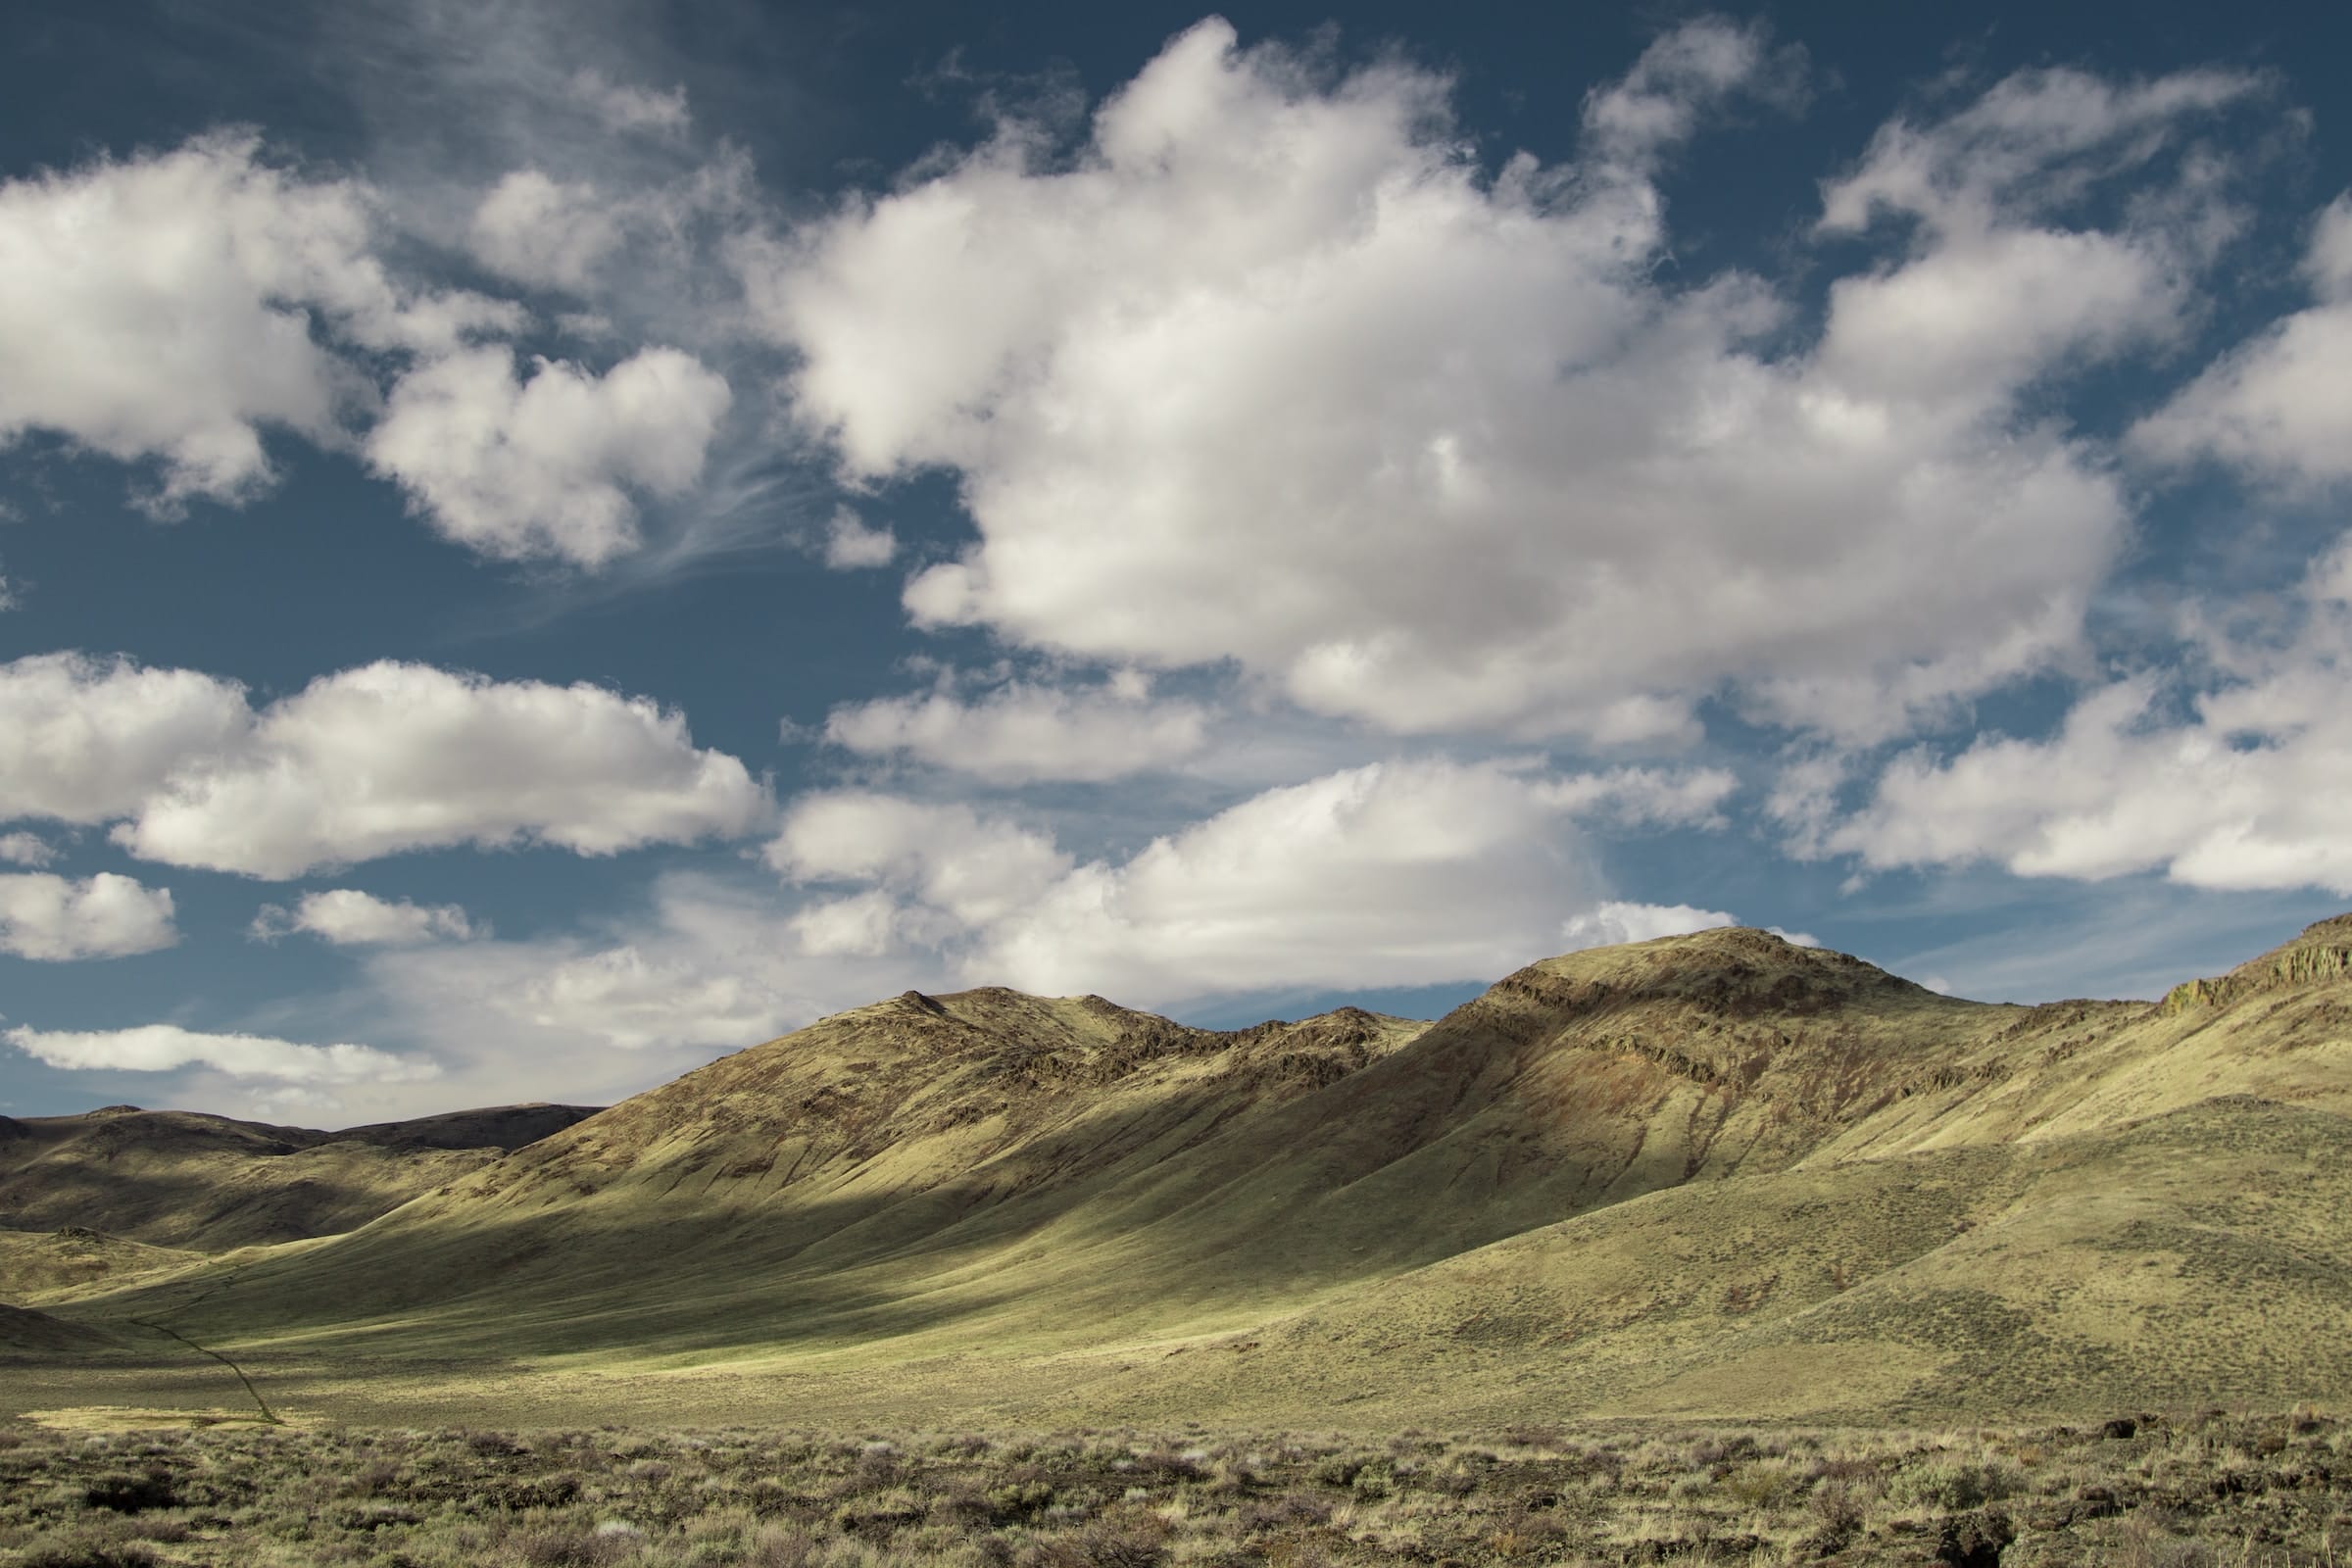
(543, 543)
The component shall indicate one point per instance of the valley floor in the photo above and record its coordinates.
(2221, 1487)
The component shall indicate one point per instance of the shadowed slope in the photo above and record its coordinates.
(941, 1126)
(175, 1178)
(506, 1128)
(26, 1332)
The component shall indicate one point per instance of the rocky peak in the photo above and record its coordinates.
(2321, 955)
(1735, 970)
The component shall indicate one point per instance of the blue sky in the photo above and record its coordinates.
(545, 543)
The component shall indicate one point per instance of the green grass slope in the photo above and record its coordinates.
(37, 1266)
(2198, 1255)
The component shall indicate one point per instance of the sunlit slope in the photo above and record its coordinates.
(2197, 1256)
(1718, 1159)
(2277, 1027)
(38, 1266)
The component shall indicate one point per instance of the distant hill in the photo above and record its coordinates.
(1714, 1175)
(501, 1127)
(181, 1179)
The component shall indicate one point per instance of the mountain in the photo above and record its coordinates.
(1715, 1174)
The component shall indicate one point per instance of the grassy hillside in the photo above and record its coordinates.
(2197, 1255)
(40, 1266)
(1714, 1174)
(180, 1179)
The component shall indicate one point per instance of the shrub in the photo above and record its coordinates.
(1101, 1545)
(568, 1546)
(87, 1549)
(1169, 1465)
(1336, 1470)
(1290, 1510)
(1837, 1509)
(1018, 1499)
(1758, 1486)
(122, 1493)
(1947, 1486)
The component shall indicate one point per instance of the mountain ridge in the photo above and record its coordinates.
(1609, 1173)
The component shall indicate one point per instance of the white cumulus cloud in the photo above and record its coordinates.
(1267, 370)
(91, 738)
(349, 918)
(26, 848)
(395, 756)
(1613, 921)
(709, 970)
(545, 467)
(2233, 784)
(177, 306)
(2279, 405)
(163, 1048)
(952, 861)
(537, 229)
(633, 1001)
(104, 916)
(1392, 874)
(852, 544)
(361, 764)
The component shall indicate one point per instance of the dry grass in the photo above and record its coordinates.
(1710, 1177)
(2217, 1489)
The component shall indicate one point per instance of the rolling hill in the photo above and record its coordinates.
(1714, 1175)
(90, 1201)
